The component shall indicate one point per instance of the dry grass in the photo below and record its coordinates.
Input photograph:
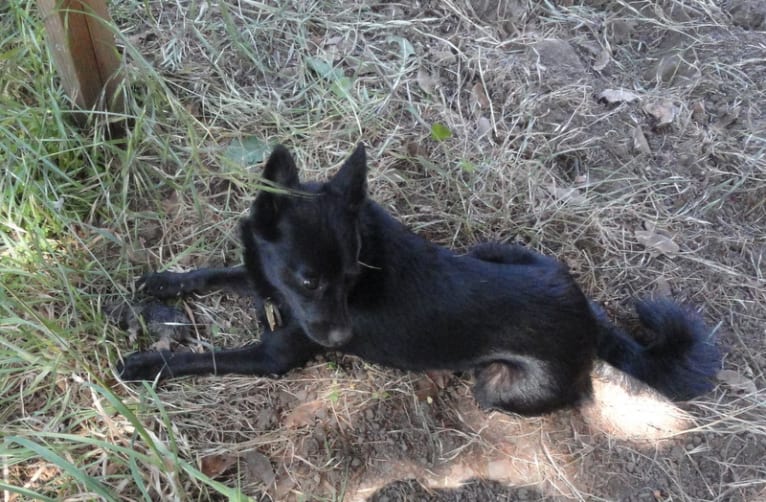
(533, 156)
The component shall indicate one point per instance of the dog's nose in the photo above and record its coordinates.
(338, 336)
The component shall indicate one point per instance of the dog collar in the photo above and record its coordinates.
(273, 317)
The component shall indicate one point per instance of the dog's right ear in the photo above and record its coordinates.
(280, 168)
(281, 171)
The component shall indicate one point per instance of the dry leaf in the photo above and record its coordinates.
(426, 81)
(737, 382)
(663, 112)
(430, 386)
(193, 108)
(483, 126)
(305, 414)
(698, 112)
(640, 144)
(672, 67)
(163, 343)
(480, 95)
(171, 204)
(658, 242)
(285, 484)
(603, 60)
(439, 378)
(571, 195)
(336, 40)
(413, 148)
(612, 96)
(216, 464)
(258, 468)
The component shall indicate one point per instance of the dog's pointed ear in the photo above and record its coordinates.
(281, 171)
(280, 168)
(351, 179)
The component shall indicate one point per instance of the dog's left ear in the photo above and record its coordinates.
(351, 180)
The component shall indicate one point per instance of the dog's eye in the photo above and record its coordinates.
(310, 283)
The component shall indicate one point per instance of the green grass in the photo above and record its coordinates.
(66, 192)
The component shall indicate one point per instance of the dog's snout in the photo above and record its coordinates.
(338, 336)
(330, 335)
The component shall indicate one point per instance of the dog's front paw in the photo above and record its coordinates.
(164, 285)
(145, 366)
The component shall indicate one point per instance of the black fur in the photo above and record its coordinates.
(347, 276)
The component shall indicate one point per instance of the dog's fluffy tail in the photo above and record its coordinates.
(678, 355)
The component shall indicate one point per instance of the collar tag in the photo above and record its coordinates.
(273, 317)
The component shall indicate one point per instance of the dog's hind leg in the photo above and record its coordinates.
(509, 254)
(172, 284)
(527, 387)
(277, 353)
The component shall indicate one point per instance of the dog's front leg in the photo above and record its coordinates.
(172, 284)
(277, 353)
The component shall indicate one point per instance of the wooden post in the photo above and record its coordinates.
(80, 36)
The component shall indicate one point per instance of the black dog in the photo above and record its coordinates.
(331, 270)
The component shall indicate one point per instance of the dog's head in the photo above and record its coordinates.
(308, 242)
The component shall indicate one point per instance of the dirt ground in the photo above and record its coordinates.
(626, 138)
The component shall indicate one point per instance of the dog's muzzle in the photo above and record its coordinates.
(338, 336)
